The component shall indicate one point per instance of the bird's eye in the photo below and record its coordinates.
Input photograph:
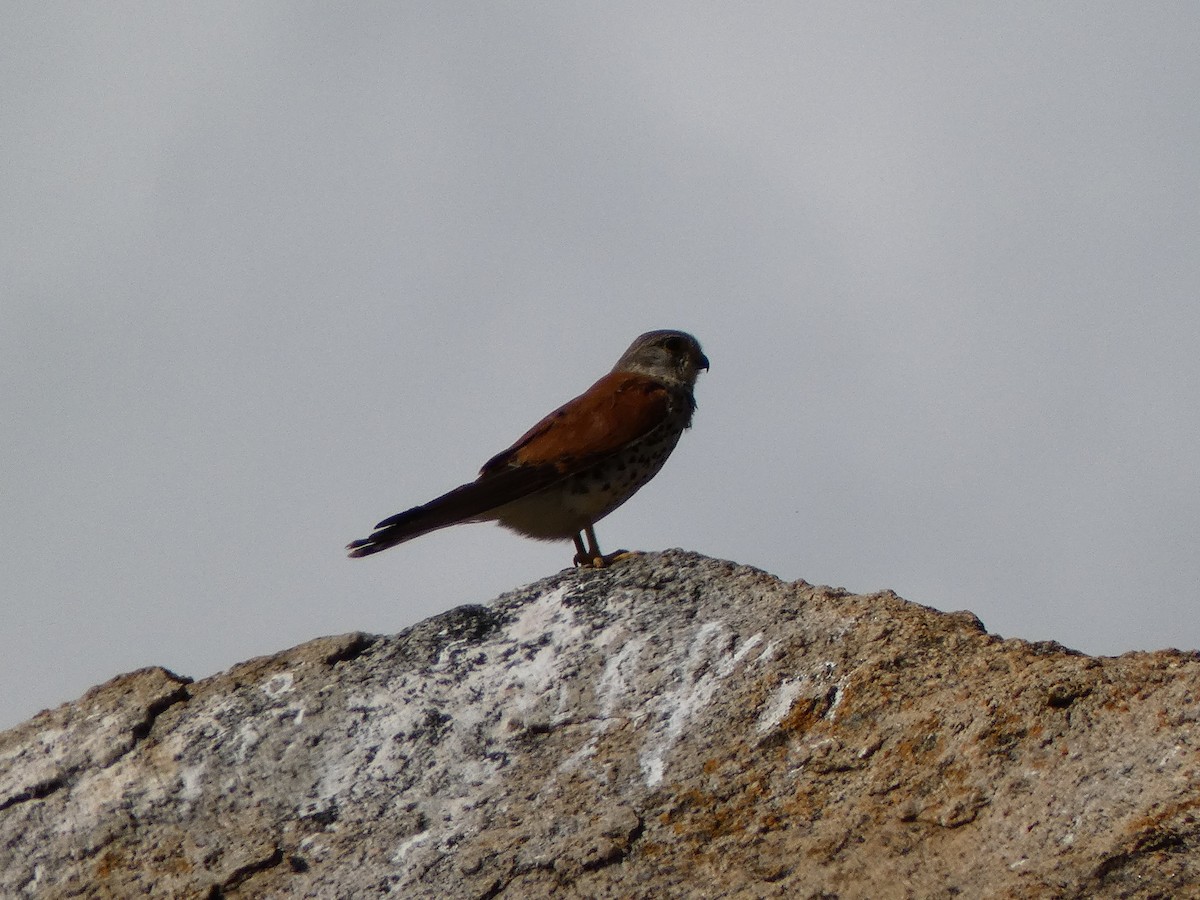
(673, 344)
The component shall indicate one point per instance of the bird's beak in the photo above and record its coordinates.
(702, 363)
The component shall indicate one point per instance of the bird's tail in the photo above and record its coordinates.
(399, 528)
(467, 503)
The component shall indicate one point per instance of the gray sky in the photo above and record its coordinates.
(274, 272)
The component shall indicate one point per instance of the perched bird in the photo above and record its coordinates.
(578, 464)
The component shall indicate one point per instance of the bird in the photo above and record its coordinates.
(580, 462)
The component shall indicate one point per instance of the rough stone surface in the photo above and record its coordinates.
(675, 726)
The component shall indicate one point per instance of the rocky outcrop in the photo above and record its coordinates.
(674, 726)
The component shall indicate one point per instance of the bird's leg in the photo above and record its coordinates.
(591, 555)
(581, 555)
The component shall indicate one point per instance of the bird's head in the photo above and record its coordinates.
(673, 357)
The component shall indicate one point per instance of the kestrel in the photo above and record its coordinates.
(578, 464)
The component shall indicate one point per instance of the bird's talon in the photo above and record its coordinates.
(603, 561)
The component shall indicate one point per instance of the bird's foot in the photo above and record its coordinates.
(603, 560)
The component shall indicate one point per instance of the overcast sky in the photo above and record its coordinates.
(272, 272)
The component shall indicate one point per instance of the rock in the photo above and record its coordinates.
(674, 726)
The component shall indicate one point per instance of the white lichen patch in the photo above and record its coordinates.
(706, 664)
(539, 617)
(615, 680)
(441, 733)
(406, 846)
(282, 683)
(779, 704)
(839, 694)
(191, 781)
(612, 689)
(768, 653)
(246, 738)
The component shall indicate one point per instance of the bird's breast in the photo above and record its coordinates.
(581, 499)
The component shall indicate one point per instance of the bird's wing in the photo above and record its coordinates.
(614, 412)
